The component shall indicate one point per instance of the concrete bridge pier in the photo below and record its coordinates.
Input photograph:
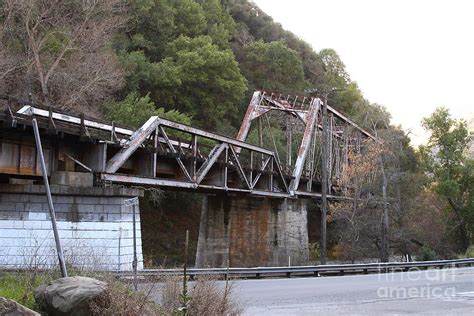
(251, 231)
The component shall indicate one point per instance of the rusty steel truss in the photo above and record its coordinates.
(306, 114)
(168, 154)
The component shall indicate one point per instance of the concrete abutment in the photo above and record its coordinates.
(95, 227)
(251, 231)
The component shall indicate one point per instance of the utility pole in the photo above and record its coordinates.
(384, 255)
(324, 171)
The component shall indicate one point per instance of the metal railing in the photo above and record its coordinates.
(315, 270)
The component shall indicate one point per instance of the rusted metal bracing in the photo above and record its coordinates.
(308, 155)
(207, 165)
(305, 143)
(249, 116)
(135, 141)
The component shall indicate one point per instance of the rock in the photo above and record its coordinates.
(11, 308)
(69, 296)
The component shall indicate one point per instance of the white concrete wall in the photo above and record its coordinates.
(95, 245)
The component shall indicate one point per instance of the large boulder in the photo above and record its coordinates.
(11, 308)
(69, 296)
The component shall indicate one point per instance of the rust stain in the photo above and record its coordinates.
(248, 239)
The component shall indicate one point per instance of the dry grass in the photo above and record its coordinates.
(120, 299)
(208, 297)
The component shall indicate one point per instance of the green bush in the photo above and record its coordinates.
(313, 251)
(469, 252)
(426, 254)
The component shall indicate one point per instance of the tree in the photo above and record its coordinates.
(359, 219)
(220, 25)
(58, 51)
(177, 53)
(154, 23)
(135, 111)
(273, 66)
(207, 84)
(451, 169)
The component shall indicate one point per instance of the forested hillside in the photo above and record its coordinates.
(198, 61)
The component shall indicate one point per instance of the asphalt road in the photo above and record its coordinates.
(432, 292)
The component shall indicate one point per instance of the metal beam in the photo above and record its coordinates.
(239, 166)
(173, 150)
(30, 110)
(137, 138)
(122, 178)
(207, 165)
(220, 138)
(247, 121)
(305, 143)
(262, 168)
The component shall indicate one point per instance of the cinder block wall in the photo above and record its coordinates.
(250, 231)
(95, 227)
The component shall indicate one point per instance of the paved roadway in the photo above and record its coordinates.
(431, 292)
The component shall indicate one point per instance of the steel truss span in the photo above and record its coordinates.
(168, 154)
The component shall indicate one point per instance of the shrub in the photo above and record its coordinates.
(469, 252)
(314, 251)
(208, 297)
(426, 254)
(120, 299)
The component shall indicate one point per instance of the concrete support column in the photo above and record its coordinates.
(250, 231)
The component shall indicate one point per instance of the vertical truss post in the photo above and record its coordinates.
(226, 163)
(310, 122)
(289, 140)
(330, 151)
(155, 153)
(271, 174)
(195, 153)
(324, 181)
(251, 167)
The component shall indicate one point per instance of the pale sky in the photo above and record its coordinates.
(410, 56)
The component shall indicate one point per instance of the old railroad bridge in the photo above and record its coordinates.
(289, 149)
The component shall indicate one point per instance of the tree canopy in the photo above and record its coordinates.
(451, 169)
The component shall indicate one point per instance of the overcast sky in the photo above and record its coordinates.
(410, 56)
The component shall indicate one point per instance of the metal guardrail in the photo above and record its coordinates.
(315, 270)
